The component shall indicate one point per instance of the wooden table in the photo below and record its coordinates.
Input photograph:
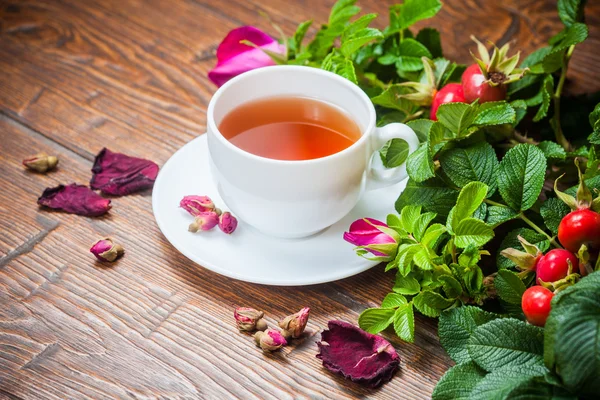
(78, 75)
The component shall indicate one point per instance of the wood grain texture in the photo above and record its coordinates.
(78, 75)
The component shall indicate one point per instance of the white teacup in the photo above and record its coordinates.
(294, 199)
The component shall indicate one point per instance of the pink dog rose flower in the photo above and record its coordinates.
(234, 58)
(373, 236)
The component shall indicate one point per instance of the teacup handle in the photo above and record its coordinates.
(378, 175)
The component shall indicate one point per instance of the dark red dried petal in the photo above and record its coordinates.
(119, 174)
(75, 199)
(358, 355)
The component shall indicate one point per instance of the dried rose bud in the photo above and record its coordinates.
(249, 319)
(227, 222)
(204, 221)
(293, 325)
(269, 340)
(106, 250)
(197, 204)
(41, 162)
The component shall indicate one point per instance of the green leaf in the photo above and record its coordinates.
(421, 128)
(410, 52)
(421, 305)
(474, 163)
(457, 117)
(536, 389)
(402, 16)
(576, 315)
(392, 98)
(394, 153)
(469, 199)
(570, 11)
(511, 241)
(495, 113)
(296, 41)
(358, 25)
(421, 225)
(339, 65)
(520, 108)
(499, 385)
(404, 257)
(409, 216)
(451, 286)
(374, 320)
(546, 91)
(419, 164)
(456, 327)
(497, 215)
(434, 195)
(406, 285)
(573, 35)
(423, 258)
(521, 176)
(404, 322)
(430, 38)
(393, 300)
(435, 300)
(552, 150)
(458, 382)
(359, 39)
(509, 286)
(471, 231)
(342, 11)
(432, 234)
(507, 342)
(553, 211)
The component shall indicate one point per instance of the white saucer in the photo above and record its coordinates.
(247, 254)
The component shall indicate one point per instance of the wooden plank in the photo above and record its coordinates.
(71, 327)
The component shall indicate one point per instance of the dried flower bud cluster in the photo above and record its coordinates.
(106, 250)
(41, 162)
(249, 320)
(207, 215)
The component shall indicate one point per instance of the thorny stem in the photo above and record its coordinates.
(539, 230)
(560, 137)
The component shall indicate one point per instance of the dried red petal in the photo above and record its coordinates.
(119, 174)
(358, 355)
(75, 199)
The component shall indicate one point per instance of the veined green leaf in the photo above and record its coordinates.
(421, 128)
(421, 305)
(553, 211)
(419, 164)
(430, 38)
(474, 163)
(451, 286)
(570, 11)
(410, 52)
(495, 113)
(402, 16)
(406, 285)
(497, 215)
(393, 300)
(404, 322)
(509, 286)
(472, 232)
(546, 92)
(434, 195)
(552, 150)
(374, 320)
(521, 176)
(358, 39)
(469, 199)
(394, 153)
(457, 117)
(458, 382)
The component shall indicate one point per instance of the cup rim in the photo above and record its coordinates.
(250, 74)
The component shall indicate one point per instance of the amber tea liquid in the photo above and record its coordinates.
(289, 128)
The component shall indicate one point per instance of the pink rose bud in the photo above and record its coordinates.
(269, 340)
(249, 319)
(235, 57)
(375, 237)
(41, 162)
(197, 204)
(227, 222)
(293, 325)
(204, 221)
(106, 250)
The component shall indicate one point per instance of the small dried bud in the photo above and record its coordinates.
(41, 162)
(293, 325)
(227, 222)
(197, 204)
(106, 250)
(218, 211)
(249, 319)
(204, 221)
(269, 340)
